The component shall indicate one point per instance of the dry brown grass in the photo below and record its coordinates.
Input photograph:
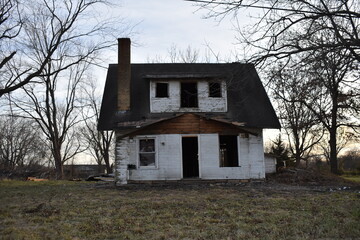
(82, 210)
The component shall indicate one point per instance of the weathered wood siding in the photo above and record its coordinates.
(172, 103)
(190, 124)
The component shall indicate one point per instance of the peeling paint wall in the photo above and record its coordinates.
(172, 103)
(251, 158)
(169, 158)
(122, 157)
(256, 157)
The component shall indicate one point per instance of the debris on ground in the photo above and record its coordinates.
(101, 177)
(34, 179)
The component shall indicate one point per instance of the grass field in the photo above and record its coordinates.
(82, 210)
(353, 178)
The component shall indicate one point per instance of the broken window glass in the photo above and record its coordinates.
(147, 152)
(214, 89)
(228, 151)
(189, 98)
(162, 90)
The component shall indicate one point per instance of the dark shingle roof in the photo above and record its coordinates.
(248, 102)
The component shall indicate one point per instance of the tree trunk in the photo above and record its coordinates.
(107, 162)
(333, 152)
(333, 130)
(297, 160)
(58, 164)
(59, 170)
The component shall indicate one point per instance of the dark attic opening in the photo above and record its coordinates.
(228, 151)
(189, 98)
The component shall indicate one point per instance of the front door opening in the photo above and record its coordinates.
(190, 157)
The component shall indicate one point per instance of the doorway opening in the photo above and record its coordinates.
(189, 98)
(190, 157)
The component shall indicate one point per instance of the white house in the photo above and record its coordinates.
(190, 120)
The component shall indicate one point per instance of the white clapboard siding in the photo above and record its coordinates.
(169, 158)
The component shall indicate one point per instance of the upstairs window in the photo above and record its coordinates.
(162, 90)
(189, 95)
(215, 89)
(228, 151)
(147, 152)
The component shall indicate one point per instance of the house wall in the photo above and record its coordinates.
(122, 158)
(172, 103)
(270, 164)
(169, 158)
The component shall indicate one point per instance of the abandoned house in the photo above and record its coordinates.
(175, 121)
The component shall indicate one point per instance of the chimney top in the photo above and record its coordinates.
(124, 74)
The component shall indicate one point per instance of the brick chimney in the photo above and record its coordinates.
(124, 74)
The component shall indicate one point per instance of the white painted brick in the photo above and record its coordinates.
(172, 103)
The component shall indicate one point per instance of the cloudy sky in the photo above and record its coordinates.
(162, 24)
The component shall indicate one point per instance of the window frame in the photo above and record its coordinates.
(138, 152)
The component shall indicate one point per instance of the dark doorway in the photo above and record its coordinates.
(228, 151)
(189, 98)
(190, 157)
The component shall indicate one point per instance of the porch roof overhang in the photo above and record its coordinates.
(130, 128)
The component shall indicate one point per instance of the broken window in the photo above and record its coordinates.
(162, 90)
(146, 152)
(189, 98)
(214, 89)
(228, 151)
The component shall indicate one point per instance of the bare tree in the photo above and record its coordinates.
(332, 95)
(280, 20)
(10, 27)
(56, 110)
(59, 41)
(32, 33)
(300, 123)
(20, 143)
(344, 137)
(98, 142)
(321, 33)
(190, 55)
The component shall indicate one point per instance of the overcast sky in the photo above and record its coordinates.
(164, 23)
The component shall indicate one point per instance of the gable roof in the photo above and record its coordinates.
(248, 102)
